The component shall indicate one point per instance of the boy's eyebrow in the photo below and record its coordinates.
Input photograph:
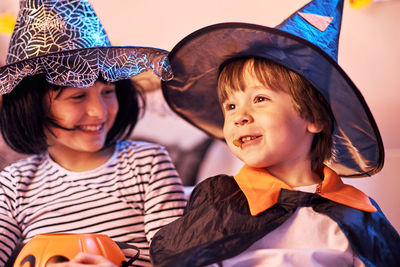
(261, 87)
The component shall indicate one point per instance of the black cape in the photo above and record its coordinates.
(217, 225)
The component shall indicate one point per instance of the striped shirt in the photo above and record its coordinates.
(130, 197)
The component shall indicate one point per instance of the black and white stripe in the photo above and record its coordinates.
(129, 198)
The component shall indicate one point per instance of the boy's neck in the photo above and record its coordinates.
(299, 175)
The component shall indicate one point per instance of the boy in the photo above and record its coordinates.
(296, 120)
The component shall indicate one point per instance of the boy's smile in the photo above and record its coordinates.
(245, 140)
(263, 129)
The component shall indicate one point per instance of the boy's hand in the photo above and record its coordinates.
(85, 260)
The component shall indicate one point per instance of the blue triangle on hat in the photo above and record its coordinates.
(304, 24)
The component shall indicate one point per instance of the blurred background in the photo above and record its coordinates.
(368, 52)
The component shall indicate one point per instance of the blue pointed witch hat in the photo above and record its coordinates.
(306, 43)
(65, 40)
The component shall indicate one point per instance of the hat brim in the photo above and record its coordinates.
(81, 67)
(196, 61)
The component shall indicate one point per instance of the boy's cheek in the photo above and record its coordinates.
(227, 134)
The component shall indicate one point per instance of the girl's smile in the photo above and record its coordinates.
(90, 128)
(82, 118)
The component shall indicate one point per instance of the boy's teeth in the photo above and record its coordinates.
(247, 138)
(240, 141)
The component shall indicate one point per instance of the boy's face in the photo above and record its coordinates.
(262, 128)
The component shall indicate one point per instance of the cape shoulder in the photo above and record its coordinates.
(212, 190)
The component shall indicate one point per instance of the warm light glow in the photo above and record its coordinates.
(7, 22)
(359, 3)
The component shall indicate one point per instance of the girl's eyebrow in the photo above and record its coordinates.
(108, 84)
(62, 91)
(71, 89)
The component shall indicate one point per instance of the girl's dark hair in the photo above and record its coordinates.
(23, 119)
(307, 101)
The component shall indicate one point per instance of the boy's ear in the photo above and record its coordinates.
(314, 128)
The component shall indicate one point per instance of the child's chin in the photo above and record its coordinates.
(253, 163)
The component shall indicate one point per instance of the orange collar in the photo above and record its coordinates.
(262, 190)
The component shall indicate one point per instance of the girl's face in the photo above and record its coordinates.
(263, 129)
(88, 113)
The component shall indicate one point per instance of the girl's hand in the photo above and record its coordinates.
(85, 260)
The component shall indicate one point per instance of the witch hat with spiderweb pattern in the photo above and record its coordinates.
(65, 40)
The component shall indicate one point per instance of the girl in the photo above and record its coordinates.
(83, 176)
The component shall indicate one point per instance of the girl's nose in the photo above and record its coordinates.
(96, 107)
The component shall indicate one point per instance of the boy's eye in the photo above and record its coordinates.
(260, 99)
(230, 106)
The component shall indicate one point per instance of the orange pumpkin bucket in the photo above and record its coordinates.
(43, 249)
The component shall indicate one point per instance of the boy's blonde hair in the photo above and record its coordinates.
(307, 101)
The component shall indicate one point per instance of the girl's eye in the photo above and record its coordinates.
(77, 96)
(109, 92)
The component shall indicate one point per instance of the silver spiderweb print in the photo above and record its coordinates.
(66, 41)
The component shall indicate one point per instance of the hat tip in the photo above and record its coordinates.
(318, 22)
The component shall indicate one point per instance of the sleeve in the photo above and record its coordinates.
(9, 230)
(384, 238)
(370, 234)
(164, 198)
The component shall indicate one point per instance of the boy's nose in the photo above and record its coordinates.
(243, 118)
